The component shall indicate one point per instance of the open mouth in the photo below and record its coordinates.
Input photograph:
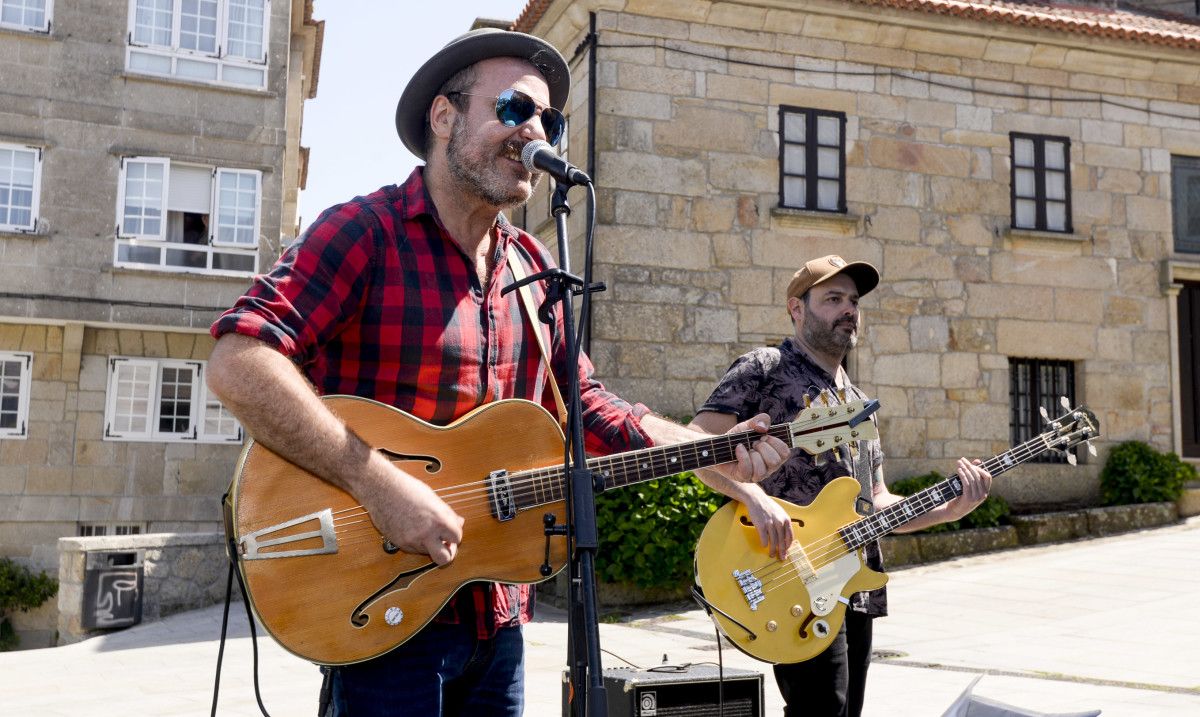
(512, 150)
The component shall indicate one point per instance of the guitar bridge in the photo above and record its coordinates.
(500, 495)
(751, 587)
(260, 546)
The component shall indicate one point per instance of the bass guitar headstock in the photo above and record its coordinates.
(1074, 426)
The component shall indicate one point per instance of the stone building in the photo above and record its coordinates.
(150, 162)
(1024, 175)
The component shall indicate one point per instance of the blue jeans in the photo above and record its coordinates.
(443, 670)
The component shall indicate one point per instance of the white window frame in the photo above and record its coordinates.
(24, 359)
(47, 14)
(123, 188)
(222, 196)
(35, 204)
(200, 409)
(213, 254)
(174, 60)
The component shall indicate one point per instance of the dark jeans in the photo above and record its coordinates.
(832, 683)
(443, 670)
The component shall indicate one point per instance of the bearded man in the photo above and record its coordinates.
(822, 301)
(396, 296)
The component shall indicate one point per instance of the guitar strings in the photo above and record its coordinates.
(352, 526)
(832, 547)
(541, 481)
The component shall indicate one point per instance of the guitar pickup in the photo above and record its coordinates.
(500, 496)
(260, 546)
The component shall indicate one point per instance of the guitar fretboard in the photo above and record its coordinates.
(888, 519)
(545, 485)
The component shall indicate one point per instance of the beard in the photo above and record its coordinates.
(826, 337)
(479, 172)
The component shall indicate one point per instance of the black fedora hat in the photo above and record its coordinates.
(466, 50)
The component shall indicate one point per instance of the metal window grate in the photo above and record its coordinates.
(1034, 384)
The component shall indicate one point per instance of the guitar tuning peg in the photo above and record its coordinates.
(1071, 459)
(841, 395)
(824, 398)
(1062, 401)
(1045, 414)
(1091, 448)
(807, 401)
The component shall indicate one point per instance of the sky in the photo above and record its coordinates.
(371, 49)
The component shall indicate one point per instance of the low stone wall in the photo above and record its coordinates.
(180, 571)
(914, 549)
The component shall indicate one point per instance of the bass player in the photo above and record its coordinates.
(822, 301)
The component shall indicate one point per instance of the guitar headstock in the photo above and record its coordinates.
(819, 428)
(1075, 426)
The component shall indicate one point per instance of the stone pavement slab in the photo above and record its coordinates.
(1107, 624)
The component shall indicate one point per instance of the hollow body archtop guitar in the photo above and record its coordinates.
(329, 588)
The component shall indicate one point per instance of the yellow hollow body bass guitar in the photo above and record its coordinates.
(790, 610)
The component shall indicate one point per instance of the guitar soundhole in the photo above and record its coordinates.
(750, 524)
(432, 463)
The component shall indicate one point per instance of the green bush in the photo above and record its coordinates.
(648, 532)
(20, 590)
(1137, 473)
(993, 511)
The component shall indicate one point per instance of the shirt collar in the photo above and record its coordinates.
(416, 201)
(791, 347)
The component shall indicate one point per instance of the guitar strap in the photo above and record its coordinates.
(860, 462)
(862, 471)
(518, 272)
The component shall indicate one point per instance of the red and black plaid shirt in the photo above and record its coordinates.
(376, 300)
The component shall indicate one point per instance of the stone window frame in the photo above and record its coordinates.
(1184, 170)
(7, 184)
(151, 238)
(139, 389)
(1038, 383)
(22, 7)
(16, 375)
(812, 162)
(147, 52)
(1040, 174)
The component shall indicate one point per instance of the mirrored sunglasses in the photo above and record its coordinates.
(514, 108)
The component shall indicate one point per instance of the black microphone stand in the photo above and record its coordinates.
(583, 633)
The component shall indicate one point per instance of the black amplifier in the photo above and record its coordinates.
(694, 691)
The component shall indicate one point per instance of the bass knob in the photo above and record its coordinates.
(821, 628)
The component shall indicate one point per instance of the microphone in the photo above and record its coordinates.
(540, 156)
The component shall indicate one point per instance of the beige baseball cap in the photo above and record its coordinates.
(865, 276)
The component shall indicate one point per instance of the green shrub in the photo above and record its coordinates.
(993, 511)
(648, 532)
(1137, 473)
(20, 590)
